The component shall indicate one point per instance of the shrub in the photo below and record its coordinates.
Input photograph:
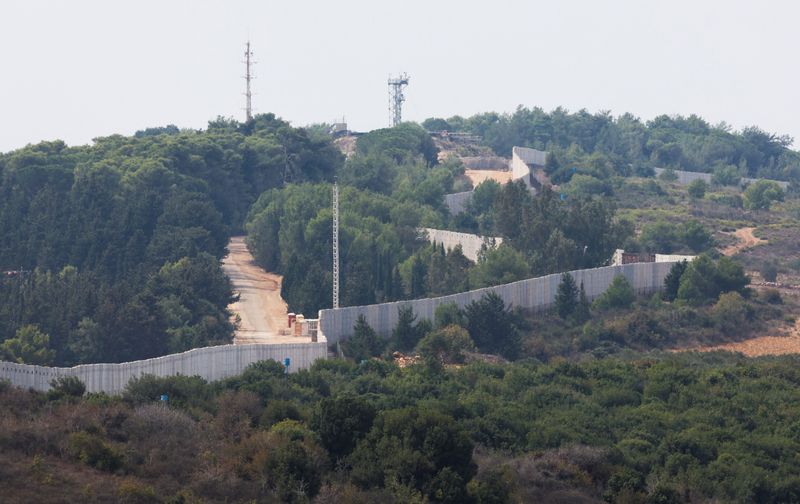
(772, 296)
(66, 386)
(668, 175)
(619, 294)
(731, 312)
(769, 271)
(761, 194)
(448, 314)
(697, 188)
(130, 491)
(445, 346)
(93, 451)
(726, 175)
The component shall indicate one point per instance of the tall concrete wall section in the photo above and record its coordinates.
(457, 202)
(529, 156)
(485, 163)
(210, 363)
(687, 177)
(533, 294)
(470, 243)
(523, 160)
(747, 181)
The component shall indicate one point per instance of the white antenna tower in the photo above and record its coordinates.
(335, 244)
(396, 97)
(248, 76)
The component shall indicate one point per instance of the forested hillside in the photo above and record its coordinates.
(394, 185)
(626, 144)
(119, 242)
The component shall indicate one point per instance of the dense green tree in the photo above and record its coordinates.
(29, 346)
(704, 280)
(583, 311)
(341, 422)
(418, 447)
(566, 296)
(445, 346)
(619, 294)
(500, 265)
(364, 343)
(697, 188)
(673, 280)
(761, 194)
(406, 334)
(491, 326)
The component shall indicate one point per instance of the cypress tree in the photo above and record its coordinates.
(566, 296)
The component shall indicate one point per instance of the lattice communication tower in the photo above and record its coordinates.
(335, 244)
(396, 97)
(248, 76)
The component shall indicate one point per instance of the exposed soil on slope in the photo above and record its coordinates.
(780, 344)
(262, 311)
(478, 176)
(746, 239)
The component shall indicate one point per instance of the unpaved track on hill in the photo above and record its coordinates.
(262, 310)
(746, 240)
(478, 176)
(763, 345)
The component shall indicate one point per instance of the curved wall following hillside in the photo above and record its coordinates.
(210, 363)
(534, 294)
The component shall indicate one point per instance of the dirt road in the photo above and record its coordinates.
(746, 240)
(478, 176)
(789, 343)
(262, 311)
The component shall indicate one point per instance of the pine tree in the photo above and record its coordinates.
(583, 310)
(673, 280)
(406, 334)
(566, 296)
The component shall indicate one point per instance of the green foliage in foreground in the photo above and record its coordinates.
(705, 426)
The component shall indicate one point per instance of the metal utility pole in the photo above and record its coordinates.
(335, 244)
(248, 76)
(396, 97)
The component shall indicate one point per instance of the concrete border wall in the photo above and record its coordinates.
(687, 177)
(210, 363)
(470, 243)
(522, 158)
(536, 294)
(457, 202)
(485, 163)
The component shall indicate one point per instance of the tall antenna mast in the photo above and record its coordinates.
(248, 76)
(396, 97)
(335, 244)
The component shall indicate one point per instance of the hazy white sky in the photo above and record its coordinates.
(77, 69)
